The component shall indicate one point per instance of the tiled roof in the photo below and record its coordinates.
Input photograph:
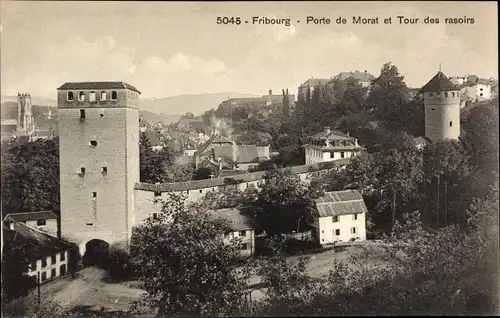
(340, 203)
(332, 135)
(98, 86)
(205, 145)
(37, 243)
(221, 140)
(362, 76)
(236, 219)
(439, 83)
(315, 81)
(217, 182)
(30, 216)
(231, 173)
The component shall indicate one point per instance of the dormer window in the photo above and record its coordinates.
(114, 95)
(81, 96)
(103, 96)
(70, 97)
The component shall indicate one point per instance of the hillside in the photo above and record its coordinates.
(194, 103)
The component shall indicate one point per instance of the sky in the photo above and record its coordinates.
(173, 48)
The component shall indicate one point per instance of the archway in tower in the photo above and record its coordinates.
(97, 253)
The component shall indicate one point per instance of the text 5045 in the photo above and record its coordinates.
(229, 20)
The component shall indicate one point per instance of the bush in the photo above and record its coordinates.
(121, 266)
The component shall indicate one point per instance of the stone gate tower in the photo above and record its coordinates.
(442, 108)
(99, 161)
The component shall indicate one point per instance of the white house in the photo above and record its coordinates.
(330, 145)
(47, 255)
(45, 221)
(340, 216)
(241, 227)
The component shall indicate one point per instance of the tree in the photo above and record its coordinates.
(185, 265)
(153, 163)
(189, 115)
(15, 264)
(286, 104)
(255, 138)
(387, 97)
(203, 173)
(30, 176)
(284, 202)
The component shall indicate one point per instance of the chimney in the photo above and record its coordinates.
(327, 129)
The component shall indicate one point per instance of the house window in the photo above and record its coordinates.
(103, 96)
(33, 266)
(104, 170)
(82, 170)
(355, 216)
(481, 94)
(438, 93)
(458, 94)
(70, 97)
(155, 216)
(89, 224)
(445, 94)
(94, 195)
(342, 154)
(44, 276)
(332, 155)
(63, 256)
(114, 95)
(337, 232)
(81, 96)
(53, 259)
(44, 262)
(157, 194)
(430, 94)
(335, 218)
(201, 190)
(82, 113)
(451, 123)
(433, 109)
(53, 273)
(353, 230)
(62, 270)
(243, 233)
(93, 143)
(481, 89)
(452, 94)
(41, 222)
(243, 246)
(92, 97)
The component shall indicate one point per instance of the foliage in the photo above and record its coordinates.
(30, 176)
(203, 173)
(255, 138)
(184, 263)
(15, 265)
(284, 202)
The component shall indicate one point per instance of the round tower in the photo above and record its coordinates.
(442, 108)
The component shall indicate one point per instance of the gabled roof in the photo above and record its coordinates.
(30, 216)
(97, 86)
(231, 173)
(361, 76)
(205, 145)
(439, 83)
(236, 219)
(332, 135)
(340, 203)
(315, 81)
(35, 242)
(221, 140)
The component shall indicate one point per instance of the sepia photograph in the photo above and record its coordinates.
(249, 158)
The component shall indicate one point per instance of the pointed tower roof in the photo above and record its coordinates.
(439, 83)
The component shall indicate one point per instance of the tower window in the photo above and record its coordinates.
(93, 143)
(452, 94)
(342, 154)
(481, 94)
(101, 115)
(82, 170)
(82, 113)
(157, 194)
(451, 123)
(103, 95)
(114, 95)
(433, 109)
(104, 170)
(438, 93)
(92, 97)
(89, 224)
(446, 94)
(70, 97)
(458, 94)
(94, 195)
(81, 96)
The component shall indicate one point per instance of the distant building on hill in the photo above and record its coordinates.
(330, 145)
(310, 85)
(17, 118)
(265, 100)
(364, 78)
